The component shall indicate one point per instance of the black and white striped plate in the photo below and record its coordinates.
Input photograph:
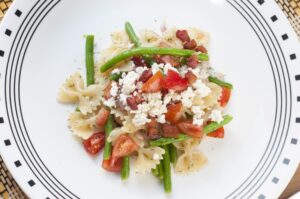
(41, 43)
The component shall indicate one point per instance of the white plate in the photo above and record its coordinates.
(41, 43)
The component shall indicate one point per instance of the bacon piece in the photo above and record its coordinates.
(132, 103)
(183, 35)
(138, 61)
(107, 91)
(192, 61)
(147, 74)
(190, 44)
(153, 130)
(171, 60)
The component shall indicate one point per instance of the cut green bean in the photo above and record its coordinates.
(77, 109)
(203, 57)
(211, 127)
(167, 170)
(108, 128)
(173, 153)
(164, 141)
(115, 76)
(125, 171)
(89, 60)
(160, 170)
(131, 34)
(220, 82)
(145, 51)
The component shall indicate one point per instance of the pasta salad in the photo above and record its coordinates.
(150, 100)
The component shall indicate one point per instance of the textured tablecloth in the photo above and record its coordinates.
(10, 189)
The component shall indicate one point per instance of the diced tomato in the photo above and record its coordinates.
(124, 146)
(107, 91)
(174, 81)
(112, 164)
(94, 143)
(219, 133)
(187, 127)
(226, 93)
(170, 131)
(102, 117)
(154, 83)
(174, 113)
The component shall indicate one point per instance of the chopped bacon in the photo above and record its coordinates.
(191, 77)
(107, 91)
(167, 59)
(170, 131)
(192, 61)
(138, 98)
(146, 75)
(183, 35)
(187, 127)
(132, 103)
(153, 129)
(190, 44)
(138, 61)
(201, 49)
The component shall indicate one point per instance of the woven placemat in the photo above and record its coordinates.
(8, 186)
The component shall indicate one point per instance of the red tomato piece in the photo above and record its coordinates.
(102, 117)
(170, 131)
(226, 93)
(154, 83)
(191, 77)
(219, 133)
(94, 143)
(174, 81)
(174, 113)
(112, 164)
(187, 127)
(124, 146)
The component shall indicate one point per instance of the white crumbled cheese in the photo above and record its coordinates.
(198, 113)
(114, 89)
(123, 98)
(140, 119)
(161, 119)
(183, 70)
(156, 156)
(187, 97)
(195, 71)
(140, 70)
(110, 102)
(156, 67)
(216, 116)
(169, 67)
(116, 70)
(201, 89)
(128, 82)
(171, 96)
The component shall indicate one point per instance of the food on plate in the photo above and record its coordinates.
(150, 100)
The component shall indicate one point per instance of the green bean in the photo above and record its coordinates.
(89, 59)
(173, 153)
(145, 51)
(77, 109)
(167, 170)
(164, 141)
(131, 34)
(108, 147)
(211, 127)
(160, 170)
(125, 171)
(115, 76)
(203, 57)
(220, 82)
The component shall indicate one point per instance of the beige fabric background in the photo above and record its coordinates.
(10, 189)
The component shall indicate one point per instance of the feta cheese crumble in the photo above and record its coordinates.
(198, 114)
(216, 116)
(201, 89)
